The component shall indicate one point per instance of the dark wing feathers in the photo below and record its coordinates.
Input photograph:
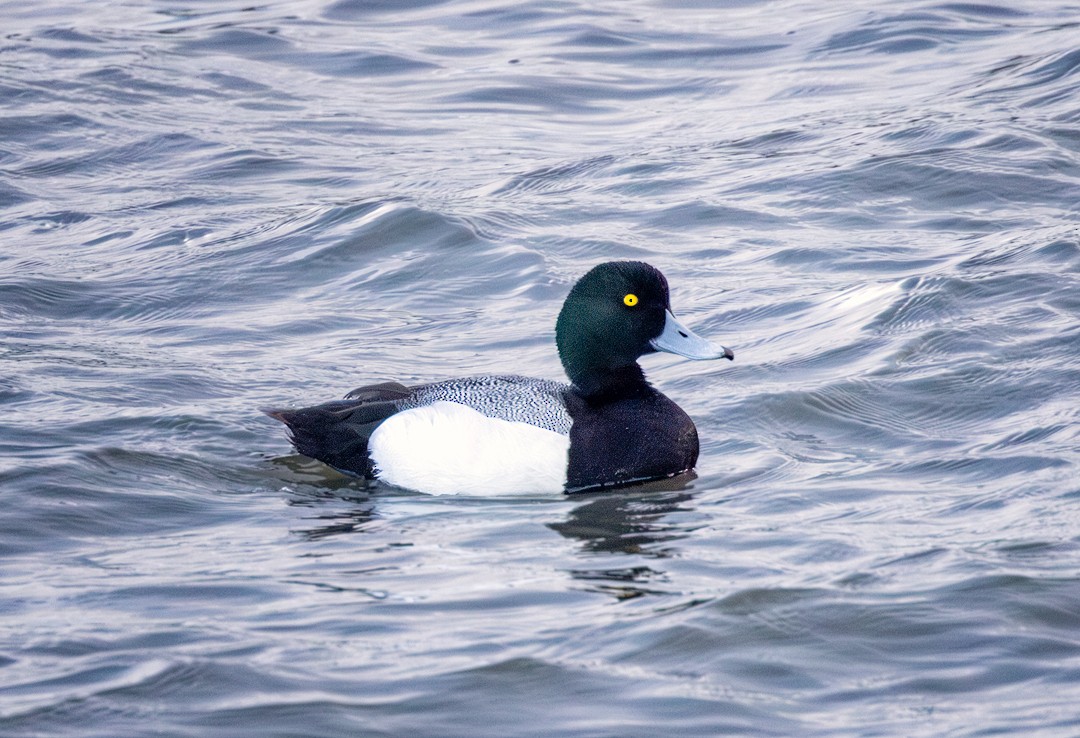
(384, 391)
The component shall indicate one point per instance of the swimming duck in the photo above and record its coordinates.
(512, 434)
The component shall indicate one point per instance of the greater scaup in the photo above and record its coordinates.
(511, 434)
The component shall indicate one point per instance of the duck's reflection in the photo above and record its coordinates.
(629, 522)
(625, 521)
(332, 524)
(315, 485)
(622, 584)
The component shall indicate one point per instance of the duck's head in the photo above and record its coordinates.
(618, 312)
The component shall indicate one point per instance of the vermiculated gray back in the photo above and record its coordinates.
(539, 402)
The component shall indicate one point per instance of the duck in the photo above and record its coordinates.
(507, 434)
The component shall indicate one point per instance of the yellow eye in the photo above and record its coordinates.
(630, 300)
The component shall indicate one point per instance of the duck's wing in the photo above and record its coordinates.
(380, 392)
(336, 433)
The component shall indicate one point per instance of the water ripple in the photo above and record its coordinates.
(212, 209)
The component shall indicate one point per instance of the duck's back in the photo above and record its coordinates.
(539, 402)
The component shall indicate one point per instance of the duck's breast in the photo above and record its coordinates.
(628, 440)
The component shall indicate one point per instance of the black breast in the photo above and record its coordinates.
(624, 439)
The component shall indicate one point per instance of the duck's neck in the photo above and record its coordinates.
(595, 383)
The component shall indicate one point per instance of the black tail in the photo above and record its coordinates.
(336, 433)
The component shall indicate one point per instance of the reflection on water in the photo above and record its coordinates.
(630, 521)
(622, 584)
(336, 523)
(634, 521)
(303, 470)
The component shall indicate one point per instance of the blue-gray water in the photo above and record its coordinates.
(206, 208)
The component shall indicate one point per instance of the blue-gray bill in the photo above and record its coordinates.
(676, 338)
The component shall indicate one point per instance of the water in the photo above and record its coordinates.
(212, 207)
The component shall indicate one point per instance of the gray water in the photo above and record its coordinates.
(212, 207)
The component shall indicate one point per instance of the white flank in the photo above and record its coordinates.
(449, 449)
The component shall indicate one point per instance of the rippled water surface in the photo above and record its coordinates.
(212, 207)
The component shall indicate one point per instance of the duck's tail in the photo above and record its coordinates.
(336, 433)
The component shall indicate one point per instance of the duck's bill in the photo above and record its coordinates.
(676, 338)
